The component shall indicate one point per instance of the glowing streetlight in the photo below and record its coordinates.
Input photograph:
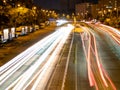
(4, 1)
(116, 8)
(34, 8)
(18, 5)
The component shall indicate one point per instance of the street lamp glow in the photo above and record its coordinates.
(34, 7)
(18, 5)
(4, 1)
(115, 8)
(20, 8)
(109, 10)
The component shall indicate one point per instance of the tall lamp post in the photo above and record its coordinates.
(116, 6)
(35, 13)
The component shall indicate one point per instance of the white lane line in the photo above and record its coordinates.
(76, 68)
(67, 63)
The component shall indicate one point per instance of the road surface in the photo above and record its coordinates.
(103, 62)
(76, 60)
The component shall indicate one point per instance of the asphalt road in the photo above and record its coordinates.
(71, 71)
(76, 77)
(77, 73)
(110, 58)
(37, 61)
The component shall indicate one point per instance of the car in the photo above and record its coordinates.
(1, 36)
(31, 29)
(20, 31)
(42, 25)
(36, 27)
(78, 29)
(47, 23)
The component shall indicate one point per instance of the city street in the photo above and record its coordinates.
(105, 76)
(67, 59)
(60, 45)
(35, 61)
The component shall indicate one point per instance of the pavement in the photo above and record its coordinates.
(12, 48)
(76, 76)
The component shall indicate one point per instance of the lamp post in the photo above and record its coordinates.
(35, 13)
(116, 7)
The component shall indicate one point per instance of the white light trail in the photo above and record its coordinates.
(115, 30)
(22, 55)
(21, 59)
(34, 67)
(16, 63)
(51, 62)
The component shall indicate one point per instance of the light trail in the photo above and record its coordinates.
(112, 36)
(87, 55)
(99, 65)
(114, 88)
(51, 42)
(76, 84)
(22, 55)
(113, 29)
(25, 53)
(90, 47)
(28, 54)
(101, 69)
(67, 63)
(114, 33)
(95, 51)
(52, 60)
(28, 74)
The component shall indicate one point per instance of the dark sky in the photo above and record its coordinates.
(52, 4)
(59, 4)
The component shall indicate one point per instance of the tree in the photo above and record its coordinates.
(4, 20)
(18, 15)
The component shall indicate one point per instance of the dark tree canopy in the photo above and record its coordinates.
(4, 19)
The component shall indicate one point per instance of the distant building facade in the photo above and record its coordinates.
(86, 10)
(101, 8)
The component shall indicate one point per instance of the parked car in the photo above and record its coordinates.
(47, 23)
(36, 27)
(30, 29)
(20, 30)
(1, 37)
(42, 25)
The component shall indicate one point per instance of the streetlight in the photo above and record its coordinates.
(18, 5)
(116, 8)
(4, 1)
(34, 7)
(34, 14)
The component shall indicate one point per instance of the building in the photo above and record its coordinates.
(99, 9)
(108, 6)
(86, 10)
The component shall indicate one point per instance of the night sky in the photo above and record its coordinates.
(52, 4)
(60, 4)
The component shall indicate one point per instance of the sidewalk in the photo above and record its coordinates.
(15, 47)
